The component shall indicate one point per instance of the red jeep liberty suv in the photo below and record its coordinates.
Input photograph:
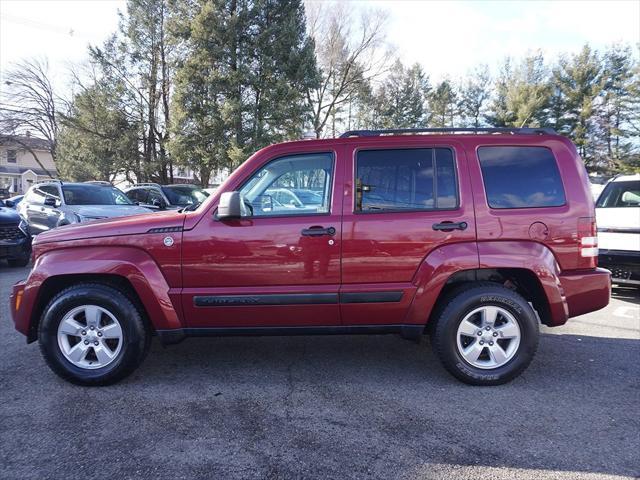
(470, 235)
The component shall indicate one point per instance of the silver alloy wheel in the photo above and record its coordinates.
(90, 337)
(488, 337)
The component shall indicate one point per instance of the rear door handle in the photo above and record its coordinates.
(318, 231)
(448, 226)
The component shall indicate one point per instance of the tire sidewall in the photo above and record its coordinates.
(464, 304)
(109, 299)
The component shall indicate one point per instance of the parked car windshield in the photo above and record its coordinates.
(93, 195)
(620, 195)
(184, 195)
(308, 197)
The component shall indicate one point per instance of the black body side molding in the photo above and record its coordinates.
(296, 299)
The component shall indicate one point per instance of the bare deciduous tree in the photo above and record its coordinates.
(29, 104)
(349, 55)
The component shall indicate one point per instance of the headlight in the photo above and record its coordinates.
(24, 227)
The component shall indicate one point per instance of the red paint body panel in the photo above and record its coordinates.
(389, 247)
(231, 257)
(561, 222)
(371, 252)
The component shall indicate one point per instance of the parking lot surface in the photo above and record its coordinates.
(329, 407)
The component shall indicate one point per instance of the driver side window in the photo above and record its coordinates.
(285, 185)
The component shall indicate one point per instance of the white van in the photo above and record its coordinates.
(618, 218)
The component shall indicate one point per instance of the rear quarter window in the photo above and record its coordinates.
(521, 177)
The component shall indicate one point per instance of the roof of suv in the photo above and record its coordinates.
(626, 178)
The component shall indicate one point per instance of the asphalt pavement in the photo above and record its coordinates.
(329, 407)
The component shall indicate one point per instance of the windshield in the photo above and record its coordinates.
(93, 195)
(308, 197)
(620, 195)
(184, 195)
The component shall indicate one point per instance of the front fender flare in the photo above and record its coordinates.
(133, 264)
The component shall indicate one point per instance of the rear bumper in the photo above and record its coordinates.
(585, 291)
(624, 265)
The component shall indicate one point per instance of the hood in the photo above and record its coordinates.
(8, 216)
(107, 211)
(111, 227)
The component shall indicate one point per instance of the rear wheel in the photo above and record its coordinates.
(92, 335)
(486, 334)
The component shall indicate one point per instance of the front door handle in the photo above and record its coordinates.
(448, 226)
(318, 231)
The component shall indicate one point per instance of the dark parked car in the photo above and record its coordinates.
(161, 197)
(15, 240)
(471, 238)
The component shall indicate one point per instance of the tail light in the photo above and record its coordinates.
(588, 242)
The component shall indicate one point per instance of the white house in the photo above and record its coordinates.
(18, 168)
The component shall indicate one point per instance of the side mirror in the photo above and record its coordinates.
(266, 203)
(51, 202)
(6, 203)
(231, 206)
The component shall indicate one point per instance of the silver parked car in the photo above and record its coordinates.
(51, 204)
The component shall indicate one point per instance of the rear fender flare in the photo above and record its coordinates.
(536, 258)
(442, 263)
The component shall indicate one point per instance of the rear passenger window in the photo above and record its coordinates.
(411, 179)
(521, 177)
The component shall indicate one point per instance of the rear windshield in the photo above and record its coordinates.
(521, 177)
(93, 195)
(620, 195)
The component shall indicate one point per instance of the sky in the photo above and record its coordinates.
(447, 37)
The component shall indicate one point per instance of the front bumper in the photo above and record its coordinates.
(624, 265)
(21, 308)
(20, 248)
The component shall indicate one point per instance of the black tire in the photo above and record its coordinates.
(18, 262)
(135, 342)
(463, 301)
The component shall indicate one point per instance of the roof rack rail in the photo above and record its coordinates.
(146, 184)
(98, 182)
(400, 131)
(48, 180)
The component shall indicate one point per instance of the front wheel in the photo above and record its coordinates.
(486, 334)
(92, 335)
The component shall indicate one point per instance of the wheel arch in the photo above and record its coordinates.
(57, 283)
(131, 270)
(528, 268)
